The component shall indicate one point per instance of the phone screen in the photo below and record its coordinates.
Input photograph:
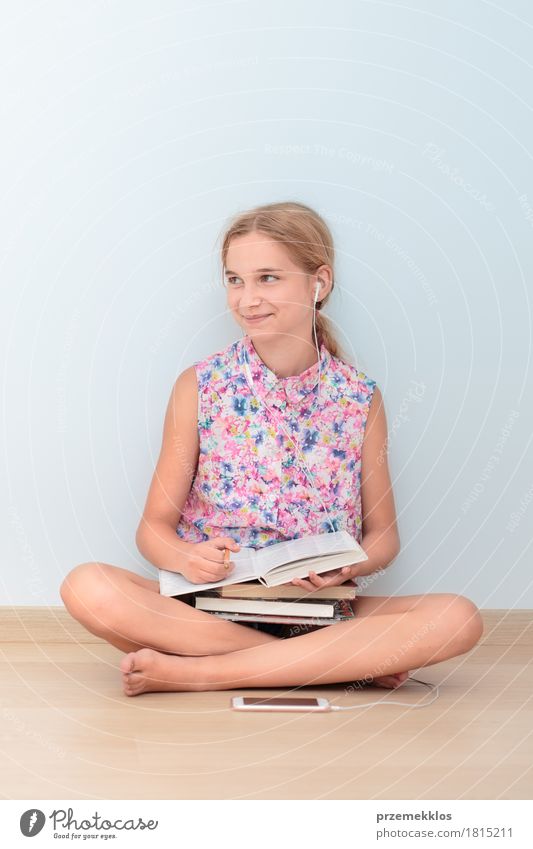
(281, 701)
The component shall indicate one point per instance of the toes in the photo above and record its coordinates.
(383, 682)
(128, 662)
(391, 681)
(133, 680)
(132, 688)
(396, 680)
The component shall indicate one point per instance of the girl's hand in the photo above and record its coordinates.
(204, 562)
(333, 578)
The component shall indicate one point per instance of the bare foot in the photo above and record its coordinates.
(149, 671)
(390, 681)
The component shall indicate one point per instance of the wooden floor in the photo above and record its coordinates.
(68, 732)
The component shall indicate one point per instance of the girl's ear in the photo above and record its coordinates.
(325, 275)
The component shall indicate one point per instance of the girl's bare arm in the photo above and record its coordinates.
(156, 536)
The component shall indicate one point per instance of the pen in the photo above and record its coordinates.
(226, 558)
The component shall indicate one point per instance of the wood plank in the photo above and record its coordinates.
(69, 732)
(55, 625)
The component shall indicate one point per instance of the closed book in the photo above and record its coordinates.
(254, 589)
(273, 607)
(277, 563)
(343, 612)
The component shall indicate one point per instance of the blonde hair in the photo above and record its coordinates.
(308, 241)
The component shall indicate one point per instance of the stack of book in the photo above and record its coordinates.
(259, 589)
(251, 602)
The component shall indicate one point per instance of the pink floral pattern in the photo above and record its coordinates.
(249, 484)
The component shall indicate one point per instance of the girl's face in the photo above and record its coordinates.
(261, 280)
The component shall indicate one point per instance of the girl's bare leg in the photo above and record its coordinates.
(435, 628)
(128, 611)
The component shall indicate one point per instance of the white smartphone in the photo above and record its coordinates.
(280, 703)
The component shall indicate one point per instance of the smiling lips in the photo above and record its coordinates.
(256, 317)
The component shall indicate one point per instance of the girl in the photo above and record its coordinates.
(274, 437)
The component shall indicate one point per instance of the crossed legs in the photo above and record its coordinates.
(388, 636)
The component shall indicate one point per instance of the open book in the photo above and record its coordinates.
(277, 563)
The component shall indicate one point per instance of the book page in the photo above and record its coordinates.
(315, 545)
(300, 569)
(347, 558)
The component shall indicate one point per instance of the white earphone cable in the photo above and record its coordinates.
(291, 436)
(433, 688)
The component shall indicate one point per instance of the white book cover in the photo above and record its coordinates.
(280, 608)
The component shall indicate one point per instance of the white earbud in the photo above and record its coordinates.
(317, 290)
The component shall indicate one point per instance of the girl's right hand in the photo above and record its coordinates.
(204, 563)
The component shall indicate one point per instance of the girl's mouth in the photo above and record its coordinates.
(257, 318)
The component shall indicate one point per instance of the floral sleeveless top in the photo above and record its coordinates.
(250, 483)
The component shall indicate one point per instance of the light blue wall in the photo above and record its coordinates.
(133, 131)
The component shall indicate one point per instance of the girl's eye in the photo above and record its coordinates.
(236, 281)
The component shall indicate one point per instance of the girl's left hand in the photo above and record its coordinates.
(333, 578)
